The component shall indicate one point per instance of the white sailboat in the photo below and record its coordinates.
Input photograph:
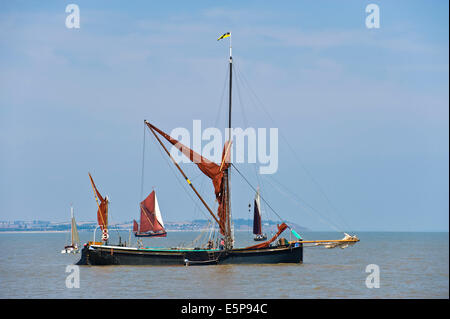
(74, 238)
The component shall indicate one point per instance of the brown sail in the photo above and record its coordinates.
(149, 218)
(151, 223)
(214, 171)
(102, 212)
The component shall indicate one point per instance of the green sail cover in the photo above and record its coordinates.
(295, 234)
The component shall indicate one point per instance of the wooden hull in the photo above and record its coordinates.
(115, 255)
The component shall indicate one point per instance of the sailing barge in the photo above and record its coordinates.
(271, 251)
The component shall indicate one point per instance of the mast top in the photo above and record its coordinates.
(231, 58)
(227, 35)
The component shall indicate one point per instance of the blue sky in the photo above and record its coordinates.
(366, 110)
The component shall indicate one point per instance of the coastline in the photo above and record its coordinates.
(33, 231)
(88, 231)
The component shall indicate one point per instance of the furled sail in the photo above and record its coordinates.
(102, 213)
(214, 171)
(151, 219)
(257, 229)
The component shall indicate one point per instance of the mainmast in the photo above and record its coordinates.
(229, 95)
(226, 177)
(71, 224)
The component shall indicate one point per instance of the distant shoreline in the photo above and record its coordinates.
(200, 230)
(33, 231)
(88, 231)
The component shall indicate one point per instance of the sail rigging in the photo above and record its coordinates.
(214, 171)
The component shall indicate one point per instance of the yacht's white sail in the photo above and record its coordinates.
(74, 237)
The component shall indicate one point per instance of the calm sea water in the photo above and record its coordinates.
(412, 265)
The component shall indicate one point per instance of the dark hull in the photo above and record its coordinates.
(150, 234)
(260, 238)
(113, 255)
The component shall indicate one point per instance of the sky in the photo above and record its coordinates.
(362, 113)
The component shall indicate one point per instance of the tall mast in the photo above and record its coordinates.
(71, 224)
(229, 238)
(229, 95)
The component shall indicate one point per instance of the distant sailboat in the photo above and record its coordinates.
(74, 238)
(151, 223)
(257, 227)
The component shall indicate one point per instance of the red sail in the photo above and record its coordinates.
(102, 212)
(102, 215)
(149, 221)
(135, 226)
(212, 170)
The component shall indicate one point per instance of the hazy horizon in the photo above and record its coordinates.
(191, 220)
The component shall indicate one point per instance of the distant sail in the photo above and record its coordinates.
(75, 237)
(257, 229)
(151, 219)
(102, 213)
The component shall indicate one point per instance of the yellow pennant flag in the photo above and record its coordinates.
(226, 35)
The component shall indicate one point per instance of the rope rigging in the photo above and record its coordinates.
(256, 101)
(321, 218)
(142, 167)
(246, 180)
(241, 104)
(241, 80)
(221, 102)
